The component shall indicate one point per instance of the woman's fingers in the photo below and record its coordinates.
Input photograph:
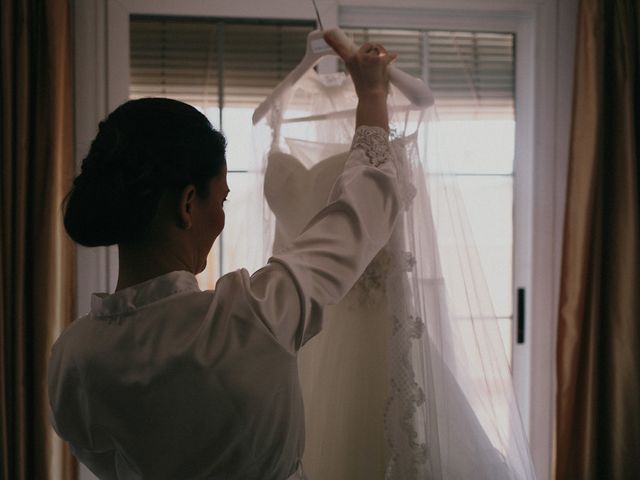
(373, 51)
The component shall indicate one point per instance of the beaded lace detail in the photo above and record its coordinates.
(374, 142)
(388, 274)
(409, 456)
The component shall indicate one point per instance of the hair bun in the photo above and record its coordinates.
(142, 149)
(100, 212)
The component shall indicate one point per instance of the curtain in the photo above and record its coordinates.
(598, 350)
(36, 264)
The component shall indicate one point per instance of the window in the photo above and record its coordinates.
(219, 67)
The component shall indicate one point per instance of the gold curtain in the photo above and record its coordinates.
(598, 371)
(37, 264)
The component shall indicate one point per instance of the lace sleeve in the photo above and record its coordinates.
(374, 143)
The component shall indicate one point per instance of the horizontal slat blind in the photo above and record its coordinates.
(181, 59)
(177, 59)
(471, 74)
(257, 58)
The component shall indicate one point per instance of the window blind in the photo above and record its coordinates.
(258, 57)
(472, 74)
(206, 62)
(176, 59)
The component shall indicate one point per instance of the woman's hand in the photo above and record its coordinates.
(368, 69)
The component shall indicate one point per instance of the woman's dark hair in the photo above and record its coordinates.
(143, 149)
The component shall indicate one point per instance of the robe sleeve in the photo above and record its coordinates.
(68, 414)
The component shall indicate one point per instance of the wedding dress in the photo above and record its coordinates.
(344, 405)
(403, 382)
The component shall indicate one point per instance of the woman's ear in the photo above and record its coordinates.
(185, 206)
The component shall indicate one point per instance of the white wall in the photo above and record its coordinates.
(101, 43)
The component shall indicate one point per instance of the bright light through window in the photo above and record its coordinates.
(480, 154)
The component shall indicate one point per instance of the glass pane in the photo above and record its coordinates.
(473, 146)
(208, 278)
(488, 201)
(237, 126)
(241, 138)
(213, 114)
(239, 250)
(243, 205)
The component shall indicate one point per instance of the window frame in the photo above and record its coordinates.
(544, 58)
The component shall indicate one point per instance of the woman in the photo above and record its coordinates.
(162, 380)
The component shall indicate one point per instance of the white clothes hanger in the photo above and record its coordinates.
(416, 91)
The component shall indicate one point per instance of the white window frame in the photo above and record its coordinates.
(544, 35)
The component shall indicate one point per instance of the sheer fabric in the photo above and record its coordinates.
(409, 378)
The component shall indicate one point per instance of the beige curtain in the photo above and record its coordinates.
(598, 396)
(36, 265)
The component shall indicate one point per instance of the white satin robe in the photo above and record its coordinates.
(164, 381)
